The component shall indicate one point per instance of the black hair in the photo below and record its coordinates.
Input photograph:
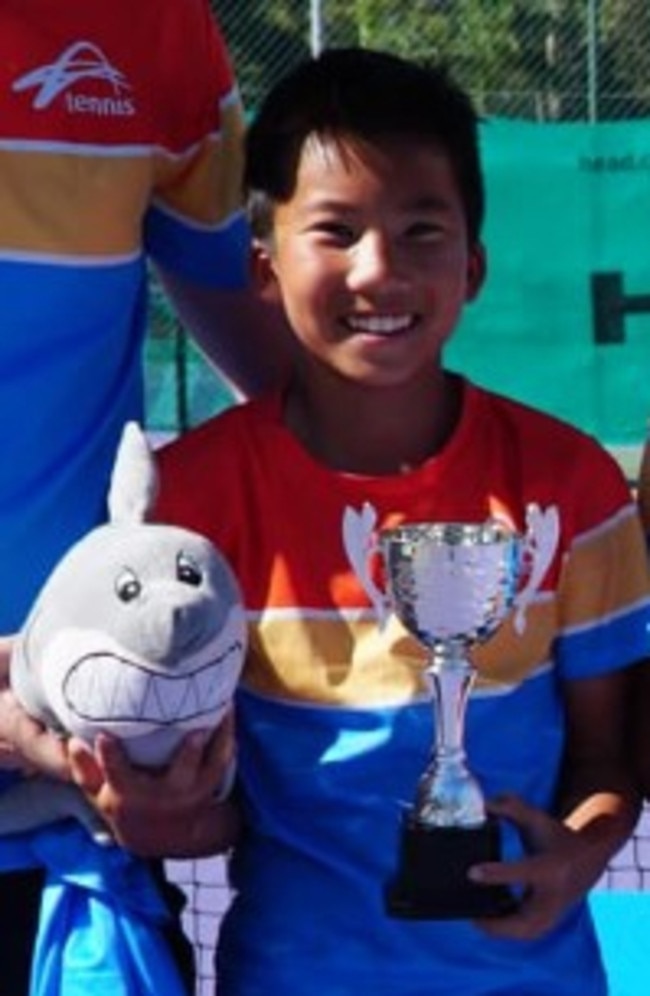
(362, 94)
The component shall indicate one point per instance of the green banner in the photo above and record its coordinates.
(564, 319)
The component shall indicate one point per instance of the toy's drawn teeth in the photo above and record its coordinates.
(169, 700)
(103, 687)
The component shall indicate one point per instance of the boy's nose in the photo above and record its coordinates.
(373, 262)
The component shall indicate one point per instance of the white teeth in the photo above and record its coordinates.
(380, 324)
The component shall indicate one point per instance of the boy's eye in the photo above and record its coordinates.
(335, 231)
(425, 230)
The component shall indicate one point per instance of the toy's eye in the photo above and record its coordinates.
(127, 586)
(187, 571)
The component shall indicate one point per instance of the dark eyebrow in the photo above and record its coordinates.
(428, 203)
(330, 204)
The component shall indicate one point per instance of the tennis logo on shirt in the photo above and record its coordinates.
(80, 62)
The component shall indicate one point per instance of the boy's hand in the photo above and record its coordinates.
(599, 806)
(169, 812)
(554, 874)
(25, 744)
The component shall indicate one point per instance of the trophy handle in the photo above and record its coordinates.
(360, 542)
(542, 537)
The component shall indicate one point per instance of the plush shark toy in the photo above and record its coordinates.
(139, 632)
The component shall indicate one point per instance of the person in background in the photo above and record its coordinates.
(366, 195)
(120, 147)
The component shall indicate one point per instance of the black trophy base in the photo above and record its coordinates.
(431, 882)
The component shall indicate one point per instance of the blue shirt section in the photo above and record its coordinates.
(216, 257)
(70, 366)
(584, 653)
(102, 919)
(325, 788)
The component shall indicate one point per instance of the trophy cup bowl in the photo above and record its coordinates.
(451, 585)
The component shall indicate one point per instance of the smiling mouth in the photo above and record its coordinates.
(380, 325)
(103, 687)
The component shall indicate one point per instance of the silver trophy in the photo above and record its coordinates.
(451, 584)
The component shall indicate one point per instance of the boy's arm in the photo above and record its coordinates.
(241, 333)
(598, 806)
(640, 726)
(599, 797)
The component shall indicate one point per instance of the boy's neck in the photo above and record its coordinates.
(375, 431)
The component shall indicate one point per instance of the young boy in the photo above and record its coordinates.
(366, 194)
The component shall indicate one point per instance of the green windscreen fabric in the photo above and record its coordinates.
(182, 388)
(563, 321)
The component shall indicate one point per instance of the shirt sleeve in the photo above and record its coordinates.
(195, 226)
(603, 594)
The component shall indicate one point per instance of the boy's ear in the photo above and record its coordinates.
(476, 270)
(263, 273)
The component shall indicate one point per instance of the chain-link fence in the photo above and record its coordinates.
(555, 60)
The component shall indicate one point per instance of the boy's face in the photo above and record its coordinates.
(371, 258)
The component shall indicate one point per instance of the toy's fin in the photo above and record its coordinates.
(134, 481)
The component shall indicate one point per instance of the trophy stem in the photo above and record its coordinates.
(448, 794)
(451, 677)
